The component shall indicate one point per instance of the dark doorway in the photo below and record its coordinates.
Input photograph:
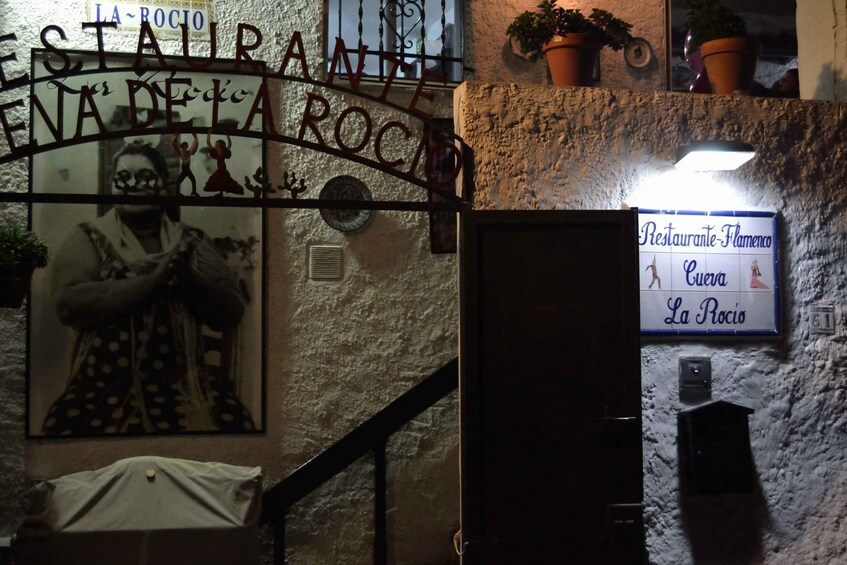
(550, 388)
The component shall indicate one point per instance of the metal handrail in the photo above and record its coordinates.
(370, 437)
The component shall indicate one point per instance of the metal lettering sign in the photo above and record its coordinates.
(164, 17)
(406, 145)
(109, 133)
(709, 273)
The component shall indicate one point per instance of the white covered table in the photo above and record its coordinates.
(144, 511)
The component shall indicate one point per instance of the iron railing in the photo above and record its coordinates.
(370, 437)
(420, 33)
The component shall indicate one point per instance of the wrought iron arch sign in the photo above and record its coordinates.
(170, 92)
(156, 92)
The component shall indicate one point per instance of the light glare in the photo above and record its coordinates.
(714, 160)
(685, 190)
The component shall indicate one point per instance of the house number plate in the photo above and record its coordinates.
(822, 319)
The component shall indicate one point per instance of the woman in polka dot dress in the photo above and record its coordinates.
(137, 287)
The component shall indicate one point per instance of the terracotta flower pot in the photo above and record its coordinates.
(730, 64)
(571, 58)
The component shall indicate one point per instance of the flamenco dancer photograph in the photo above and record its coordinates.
(155, 310)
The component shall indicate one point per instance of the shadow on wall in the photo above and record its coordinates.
(829, 84)
(515, 63)
(726, 528)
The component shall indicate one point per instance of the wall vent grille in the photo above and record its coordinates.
(325, 262)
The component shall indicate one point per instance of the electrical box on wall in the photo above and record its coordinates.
(325, 262)
(695, 379)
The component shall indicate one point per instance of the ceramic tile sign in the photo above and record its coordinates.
(164, 16)
(708, 273)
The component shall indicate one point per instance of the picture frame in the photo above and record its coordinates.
(184, 358)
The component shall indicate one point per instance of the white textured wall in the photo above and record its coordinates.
(536, 147)
(337, 351)
(573, 148)
(822, 48)
(12, 329)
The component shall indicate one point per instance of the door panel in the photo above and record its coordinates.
(550, 382)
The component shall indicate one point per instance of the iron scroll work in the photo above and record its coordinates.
(393, 148)
(111, 103)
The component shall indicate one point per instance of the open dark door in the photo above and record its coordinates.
(550, 388)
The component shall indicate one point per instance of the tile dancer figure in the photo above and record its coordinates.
(185, 152)
(221, 181)
(755, 273)
(652, 267)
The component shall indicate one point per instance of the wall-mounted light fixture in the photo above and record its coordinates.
(714, 155)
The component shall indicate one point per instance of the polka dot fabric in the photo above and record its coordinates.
(145, 372)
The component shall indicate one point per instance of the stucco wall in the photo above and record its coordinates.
(337, 351)
(822, 46)
(535, 147)
(558, 148)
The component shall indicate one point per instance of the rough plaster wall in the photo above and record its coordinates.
(490, 54)
(580, 148)
(487, 48)
(337, 351)
(361, 344)
(648, 22)
(397, 303)
(12, 369)
(13, 177)
(417, 489)
(822, 47)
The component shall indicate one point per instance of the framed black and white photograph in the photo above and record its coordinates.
(147, 319)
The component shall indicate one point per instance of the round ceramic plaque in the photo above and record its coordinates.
(345, 187)
(638, 53)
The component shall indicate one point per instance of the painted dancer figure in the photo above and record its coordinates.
(185, 152)
(652, 267)
(221, 181)
(755, 273)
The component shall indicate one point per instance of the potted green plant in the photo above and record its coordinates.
(568, 39)
(21, 252)
(728, 52)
